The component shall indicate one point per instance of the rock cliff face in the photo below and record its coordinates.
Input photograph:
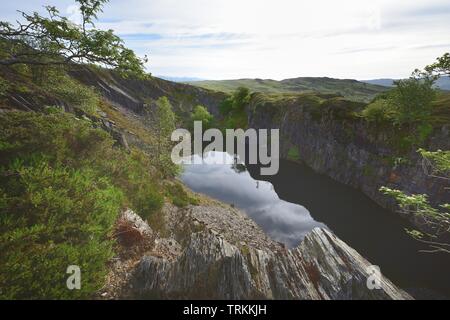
(213, 265)
(132, 94)
(127, 93)
(349, 150)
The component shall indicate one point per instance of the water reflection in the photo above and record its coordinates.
(374, 232)
(283, 221)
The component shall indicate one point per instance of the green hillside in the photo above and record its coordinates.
(350, 89)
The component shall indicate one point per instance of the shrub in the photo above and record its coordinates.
(241, 98)
(408, 109)
(412, 99)
(339, 108)
(379, 111)
(226, 106)
(237, 101)
(65, 140)
(408, 103)
(179, 196)
(63, 185)
(53, 217)
(423, 132)
(439, 159)
(236, 119)
(233, 108)
(200, 113)
(4, 86)
(71, 91)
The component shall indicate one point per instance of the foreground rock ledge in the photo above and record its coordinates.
(321, 267)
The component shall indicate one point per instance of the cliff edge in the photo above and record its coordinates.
(196, 261)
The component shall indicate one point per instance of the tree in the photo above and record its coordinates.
(236, 102)
(412, 99)
(241, 98)
(55, 40)
(226, 106)
(200, 113)
(161, 119)
(441, 67)
(409, 103)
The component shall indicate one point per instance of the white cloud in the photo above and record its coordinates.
(73, 13)
(278, 39)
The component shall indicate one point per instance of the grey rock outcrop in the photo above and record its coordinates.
(210, 267)
(132, 94)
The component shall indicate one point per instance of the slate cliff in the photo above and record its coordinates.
(331, 140)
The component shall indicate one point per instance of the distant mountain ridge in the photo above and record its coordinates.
(348, 88)
(180, 79)
(442, 83)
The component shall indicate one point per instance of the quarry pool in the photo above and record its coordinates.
(283, 221)
(290, 204)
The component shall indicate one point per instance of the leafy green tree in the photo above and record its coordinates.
(236, 102)
(441, 67)
(161, 119)
(233, 108)
(410, 103)
(200, 113)
(412, 99)
(55, 40)
(226, 106)
(241, 98)
(379, 111)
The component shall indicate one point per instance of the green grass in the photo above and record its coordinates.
(350, 89)
(179, 196)
(317, 105)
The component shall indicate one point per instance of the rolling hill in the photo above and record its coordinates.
(442, 83)
(350, 89)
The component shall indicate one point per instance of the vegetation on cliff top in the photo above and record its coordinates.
(233, 109)
(350, 89)
(411, 102)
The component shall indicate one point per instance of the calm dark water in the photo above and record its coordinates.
(284, 221)
(296, 200)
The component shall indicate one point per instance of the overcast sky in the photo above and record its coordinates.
(278, 39)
